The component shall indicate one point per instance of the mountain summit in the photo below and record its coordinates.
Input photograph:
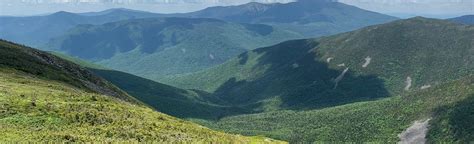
(309, 17)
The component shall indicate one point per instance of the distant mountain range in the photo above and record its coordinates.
(143, 1)
(158, 47)
(187, 44)
(246, 69)
(311, 18)
(467, 19)
(38, 30)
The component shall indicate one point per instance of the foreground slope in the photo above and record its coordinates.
(157, 47)
(46, 66)
(43, 98)
(366, 64)
(43, 110)
(312, 18)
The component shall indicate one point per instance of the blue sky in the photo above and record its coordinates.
(401, 8)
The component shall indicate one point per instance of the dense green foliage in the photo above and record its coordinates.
(157, 47)
(454, 123)
(293, 84)
(297, 74)
(37, 30)
(311, 18)
(372, 121)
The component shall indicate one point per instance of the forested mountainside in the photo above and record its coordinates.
(159, 47)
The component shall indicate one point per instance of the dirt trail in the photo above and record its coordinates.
(415, 134)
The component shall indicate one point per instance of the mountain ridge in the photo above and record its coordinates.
(466, 19)
(182, 45)
(393, 58)
(312, 18)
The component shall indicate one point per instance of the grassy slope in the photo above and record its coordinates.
(46, 98)
(43, 110)
(375, 121)
(51, 67)
(278, 76)
(188, 104)
(181, 45)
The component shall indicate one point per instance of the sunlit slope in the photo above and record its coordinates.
(47, 66)
(43, 110)
(48, 99)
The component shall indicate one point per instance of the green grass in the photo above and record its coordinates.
(35, 110)
(47, 66)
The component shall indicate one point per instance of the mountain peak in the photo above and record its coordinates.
(420, 19)
(316, 1)
(62, 13)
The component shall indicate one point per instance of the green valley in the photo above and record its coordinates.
(237, 71)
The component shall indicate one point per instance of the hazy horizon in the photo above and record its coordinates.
(399, 8)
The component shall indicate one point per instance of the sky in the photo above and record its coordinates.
(400, 8)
